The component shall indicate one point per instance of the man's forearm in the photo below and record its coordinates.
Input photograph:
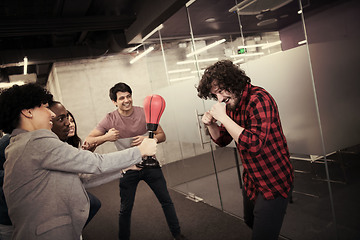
(160, 137)
(233, 128)
(214, 130)
(96, 140)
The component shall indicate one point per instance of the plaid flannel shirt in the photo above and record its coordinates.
(262, 145)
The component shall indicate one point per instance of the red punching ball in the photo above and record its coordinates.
(154, 106)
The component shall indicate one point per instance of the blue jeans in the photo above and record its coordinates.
(156, 181)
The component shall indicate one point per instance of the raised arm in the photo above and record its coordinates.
(218, 112)
(63, 157)
(210, 122)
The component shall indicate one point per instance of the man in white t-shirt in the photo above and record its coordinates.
(126, 127)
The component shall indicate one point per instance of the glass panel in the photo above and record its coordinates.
(285, 71)
(332, 36)
(186, 154)
(270, 44)
(215, 37)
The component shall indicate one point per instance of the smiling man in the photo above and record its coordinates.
(126, 127)
(61, 124)
(249, 115)
(61, 127)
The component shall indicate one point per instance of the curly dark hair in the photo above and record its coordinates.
(17, 98)
(119, 87)
(226, 75)
(75, 140)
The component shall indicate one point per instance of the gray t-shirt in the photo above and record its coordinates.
(128, 126)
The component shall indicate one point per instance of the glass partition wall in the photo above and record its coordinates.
(188, 152)
(336, 87)
(293, 62)
(279, 62)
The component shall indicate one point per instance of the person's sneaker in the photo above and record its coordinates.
(180, 237)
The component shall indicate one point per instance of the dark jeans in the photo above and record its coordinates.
(95, 205)
(265, 217)
(156, 181)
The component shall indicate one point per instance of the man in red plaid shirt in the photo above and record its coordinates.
(250, 117)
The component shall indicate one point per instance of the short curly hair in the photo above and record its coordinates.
(17, 98)
(226, 75)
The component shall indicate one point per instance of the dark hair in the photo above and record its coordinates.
(226, 75)
(119, 87)
(52, 103)
(75, 140)
(17, 98)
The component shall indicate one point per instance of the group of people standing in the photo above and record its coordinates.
(46, 167)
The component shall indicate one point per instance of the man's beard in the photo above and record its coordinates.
(232, 107)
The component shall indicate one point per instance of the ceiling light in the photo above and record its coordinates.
(269, 45)
(247, 54)
(206, 47)
(239, 60)
(182, 45)
(200, 60)
(25, 65)
(142, 55)
(247, 7)
(10, 84)
(134, 48)
(242, 5)
(262, 45)
(266, 22)
(189, 3)
(252, 46)
(180, 70)
(198, 71)
(182, 78)
(302, 42)
(210, 20)
(152, 32)
(259, 16)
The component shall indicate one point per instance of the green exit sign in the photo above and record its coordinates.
(241, 50)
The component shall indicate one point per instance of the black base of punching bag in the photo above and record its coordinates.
(149, 162)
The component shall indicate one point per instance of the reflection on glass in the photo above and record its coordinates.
(298, 69)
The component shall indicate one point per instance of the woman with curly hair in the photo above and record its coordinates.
(45, 196)
(250, 117)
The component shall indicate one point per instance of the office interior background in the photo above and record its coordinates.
(304, 52)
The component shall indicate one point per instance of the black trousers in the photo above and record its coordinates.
(95, 205)
(265, 217)
(155, 179)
